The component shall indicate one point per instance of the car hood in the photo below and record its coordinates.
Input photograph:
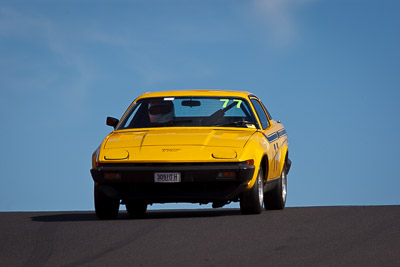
(179, 137)
(175, 144)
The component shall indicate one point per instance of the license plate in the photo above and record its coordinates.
(167, 177)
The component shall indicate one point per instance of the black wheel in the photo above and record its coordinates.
(106, 208)
(136, 208)
(251, 201)
(276, 198)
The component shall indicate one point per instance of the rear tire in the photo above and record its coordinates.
(136, 208)
(276, 199)
(106, 208)
(251, 201)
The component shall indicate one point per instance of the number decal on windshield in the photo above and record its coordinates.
(239, 102)
(226, 101)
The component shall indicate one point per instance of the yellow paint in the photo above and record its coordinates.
(125, 139)
(116, 154)
(224, 153)
(283, 153)
(197, 144)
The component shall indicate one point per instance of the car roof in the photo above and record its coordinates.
(177, 93)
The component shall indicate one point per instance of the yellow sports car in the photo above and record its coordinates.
(196, 146)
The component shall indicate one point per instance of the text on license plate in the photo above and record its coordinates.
(167, 177)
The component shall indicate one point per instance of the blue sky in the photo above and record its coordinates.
(329, 70)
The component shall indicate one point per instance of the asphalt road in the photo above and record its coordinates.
(313, 236)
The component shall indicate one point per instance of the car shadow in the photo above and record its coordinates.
(66, 217)
(150, 215)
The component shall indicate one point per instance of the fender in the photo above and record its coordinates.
(251, 151)
(284, 155)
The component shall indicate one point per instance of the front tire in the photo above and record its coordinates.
(251, 201)
(276, 199)
(106, 208)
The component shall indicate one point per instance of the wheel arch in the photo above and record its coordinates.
(285, 162)
(265, 166)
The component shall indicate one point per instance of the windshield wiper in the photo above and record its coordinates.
(235, 123)
(181, 121)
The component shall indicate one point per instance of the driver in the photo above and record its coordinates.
(161, 111)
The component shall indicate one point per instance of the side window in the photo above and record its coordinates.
(260, 112)
(269, 114)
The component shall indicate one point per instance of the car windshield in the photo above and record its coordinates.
(189, 112)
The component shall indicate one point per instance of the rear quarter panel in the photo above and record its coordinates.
(278, 140)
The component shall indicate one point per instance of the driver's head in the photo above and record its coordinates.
(161, 111)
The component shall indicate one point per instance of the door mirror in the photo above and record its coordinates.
(110, 121)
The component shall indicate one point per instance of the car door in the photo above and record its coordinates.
(271, 130)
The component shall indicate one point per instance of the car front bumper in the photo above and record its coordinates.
(200, 182)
